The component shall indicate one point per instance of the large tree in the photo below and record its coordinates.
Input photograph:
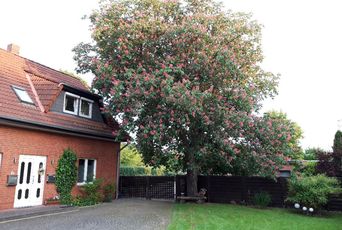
(185, 78)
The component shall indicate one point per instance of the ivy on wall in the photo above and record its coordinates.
(66, 175)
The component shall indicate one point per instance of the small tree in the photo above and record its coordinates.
(337, 155)
(131, 157)
(338, 142)
(66, 175)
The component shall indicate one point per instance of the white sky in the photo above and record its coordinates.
(302, 40)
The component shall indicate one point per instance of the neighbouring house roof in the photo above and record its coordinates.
(43, 85)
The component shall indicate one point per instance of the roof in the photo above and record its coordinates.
(43, 84)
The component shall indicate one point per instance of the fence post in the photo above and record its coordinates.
(147, 184)
(284, 188)
(244, 195)
(175, 188)
(208, 188)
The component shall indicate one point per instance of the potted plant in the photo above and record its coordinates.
(52, 201)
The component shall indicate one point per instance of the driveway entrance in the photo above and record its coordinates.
(122, 214)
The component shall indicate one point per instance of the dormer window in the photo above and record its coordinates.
(76, 105)
(22, 95)
(70, 103)
(86, 107)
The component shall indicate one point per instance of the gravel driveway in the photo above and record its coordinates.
(120, 214)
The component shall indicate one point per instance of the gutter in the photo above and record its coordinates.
(118, 170)
(53, 129)
(79, 91)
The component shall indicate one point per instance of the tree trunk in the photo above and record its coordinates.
(191, 176)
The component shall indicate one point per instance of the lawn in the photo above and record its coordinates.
(224, 216)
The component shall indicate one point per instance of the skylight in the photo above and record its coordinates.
(22, 95)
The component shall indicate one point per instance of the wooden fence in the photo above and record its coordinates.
(236, 189)
(220, 189)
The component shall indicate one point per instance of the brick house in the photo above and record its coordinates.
(43, 112)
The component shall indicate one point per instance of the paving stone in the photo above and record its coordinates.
(123, 214)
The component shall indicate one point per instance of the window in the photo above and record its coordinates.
(86, 170)
(22, 95)
(86, 107)
(77, 105)
(70, 103)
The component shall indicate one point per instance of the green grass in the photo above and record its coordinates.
(225, 217)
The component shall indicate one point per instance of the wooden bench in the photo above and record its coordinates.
(198, 199)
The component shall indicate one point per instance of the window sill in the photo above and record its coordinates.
(69, 112)
(80, 184)
(85, 116)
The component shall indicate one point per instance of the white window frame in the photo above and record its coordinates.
(15, 88)
(77, 103)
(85, 173)
(90, 108)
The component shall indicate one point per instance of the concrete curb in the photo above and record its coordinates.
(24, 214)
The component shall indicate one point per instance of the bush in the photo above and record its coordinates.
(91, 194)
(66, 175)
(132, 171)
(312, 191)
(108, 192)
(142, 171)
(312, 153)
(330, 163)
(262, 199)
(309, 169)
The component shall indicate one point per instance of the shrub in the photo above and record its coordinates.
(262, 199)
(330, 163)
(108, 192)
(91, 194)
(66, 175)
(309, 169)
(92, 191)
(312, 153)
(312, 191)
(142, 171)
(132, 171)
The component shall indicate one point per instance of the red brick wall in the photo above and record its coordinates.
(16, 141)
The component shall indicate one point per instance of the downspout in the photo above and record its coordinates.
(118, 170)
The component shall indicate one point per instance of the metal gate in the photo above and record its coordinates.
(149, 187)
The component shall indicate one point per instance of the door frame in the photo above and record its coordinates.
(36, 174)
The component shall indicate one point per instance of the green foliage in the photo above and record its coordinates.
(312, 191)
(91, 194)
(132, 171)
(309, 169)
(66, 175)
(109, 192)
(130, 156)
(312, 153)
(143, 171)
(337, 147)
(262, 199)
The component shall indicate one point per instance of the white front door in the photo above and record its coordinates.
(30, 186)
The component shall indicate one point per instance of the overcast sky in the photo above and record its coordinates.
(302, 41)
